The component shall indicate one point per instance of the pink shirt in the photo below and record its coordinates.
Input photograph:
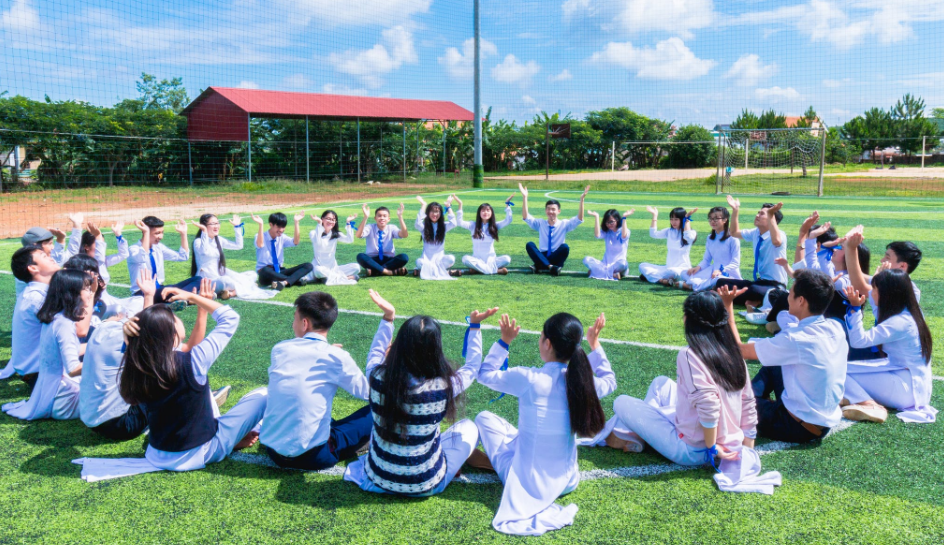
(702, 402)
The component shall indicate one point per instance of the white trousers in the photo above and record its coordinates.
(891, 389)
(699, 281)
(605, 271)
(654, 273)
(334, 275)
(436, 268)
(489, 266)
(653, 419)
(236, 423)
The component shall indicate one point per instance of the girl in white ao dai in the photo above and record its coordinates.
(324, 242)
(484, 235)
(615, 235)
(679, 237)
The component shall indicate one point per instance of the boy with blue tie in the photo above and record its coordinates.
(151, 253)
(380, 257)
(768, 243)
(270, 256)
(551, 251)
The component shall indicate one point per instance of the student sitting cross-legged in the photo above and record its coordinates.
(768, 242)
(270, 256)
(804, 365)
(412, 391)
(679, 238)
(34, 268)
(551, 251)
(50, 241)
(150, 253)
(305, 375)
(614, 232)
(380, 258)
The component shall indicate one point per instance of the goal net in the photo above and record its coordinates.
(778, 161)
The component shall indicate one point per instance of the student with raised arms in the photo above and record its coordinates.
(270, 253)
(768, 243)
(551, 251)
(433, 223)
(722, 257)
(92, 243)
(151, 253)
(679, 238)
(380, 257)
(209, 260)
(32, 266)
(485, 230)
(324, 243)
(614, 232)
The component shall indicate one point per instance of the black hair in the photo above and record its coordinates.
(896, 295)
(148, 368)
(565, 332)
(90, 266)
(865, 258)
(814, 286)
(552, 201)
(381, 209)
(415, 353)
(680, 214)
(724, 214)
(336, 231)
(829, 236)
(492, 228)
(278, 219)
(439, 236)
(614, 214)
(21, 261)
(907, 252)
(88, 241)
(778, 215)
(711, 339)
(65, 296)
(221, 267)
(152, 222)
(319, 308)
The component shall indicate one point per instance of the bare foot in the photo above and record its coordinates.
(633, 444)
(387, 272)
(251, 439)
(665, 282)
(503, 271)
(480, 460)
(617, 276)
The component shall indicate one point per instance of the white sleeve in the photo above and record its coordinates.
(287, 242)
(533, 223)
(75, 241)
(572, 224)
(204, 354)
(656, 233)
(509, 216)
(378, 348)
(420, 217)
(123, 253)
(68, 344)
(465, 376)
(467, 225)
(352, 379)
(887, 331)
(690, 235)
(347, 236)
(735, 263)
(169, 255)
(451, 222)
(513, 381)
(604, 378)
(236, 243)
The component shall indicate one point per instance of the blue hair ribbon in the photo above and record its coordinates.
(240, 226)
(509, 203)
(352, 223)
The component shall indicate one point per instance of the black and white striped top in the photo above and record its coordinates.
(411, 465)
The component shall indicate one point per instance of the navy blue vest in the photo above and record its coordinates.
(183, 419)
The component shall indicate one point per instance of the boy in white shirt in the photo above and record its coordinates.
(380, 257)
(51, 242)
(804, 365)
(270, 253)
(151, 253)
(304, 377)
(34, 267)
(768, 243)
(551, 251)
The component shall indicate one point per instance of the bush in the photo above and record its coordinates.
(691, 155)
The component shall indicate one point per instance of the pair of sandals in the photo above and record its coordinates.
(396, 272)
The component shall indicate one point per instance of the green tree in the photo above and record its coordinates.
(626, 127)
(910, 124)
(809, 117)
(163, 94)
(873, 130)
(697, 155)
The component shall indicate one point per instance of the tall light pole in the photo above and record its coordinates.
(478, 170)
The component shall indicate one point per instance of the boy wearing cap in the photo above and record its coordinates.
(50, 241)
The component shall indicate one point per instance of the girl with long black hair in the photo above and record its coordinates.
(413, 388)
(722, 255)
(485, 230)
(679, 237)
(537, 461)
(433, 223)
(903, 381)
(92, 243)
(614, 232)
(209, 261)
(324, 242)
(710, 411)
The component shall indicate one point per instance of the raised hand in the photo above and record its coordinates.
(585, 191)
(509, 328)
(146, 282)
(629, 212)
(58, 233)
(131, 328)
(449, 200)
(692, 213)
(206, 289)
(299, 217)
(181, 227)
(593, 332)
(652, 210)
(389, 313)
(92, 228)
(809, 222)
(200, 226)
(523, 190)
(365, 209)
(822, 229)
(883, 266)
(855, 236)
(77, 219)
(420, 199)
(693, 270)
(176, 294)
(142, 226)
(594, 214)
(477, 317)
(316, 218)
(772, 211)
(782, 261)
(729, 294)
(511, 198)
(351, 218)
(725, 454)
(734, 203)
(117, 228)
(256, 219)
(400, 211)
(855, 298)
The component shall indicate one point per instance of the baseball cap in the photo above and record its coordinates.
(36, 235)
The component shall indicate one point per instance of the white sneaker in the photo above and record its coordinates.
(220, 396)
(865, 413)
(756, 318)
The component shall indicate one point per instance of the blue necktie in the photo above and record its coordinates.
(380, 244)
(550, 237)
(275, 256)
(154, 269)
(760, 242)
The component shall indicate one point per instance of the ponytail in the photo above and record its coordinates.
(565, 332)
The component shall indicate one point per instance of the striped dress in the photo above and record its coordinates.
(410, 465)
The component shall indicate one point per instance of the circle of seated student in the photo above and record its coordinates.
(551, 251)
(270, 253)
(209, 260)
(380, 257)
(433, 223)
(324, 243)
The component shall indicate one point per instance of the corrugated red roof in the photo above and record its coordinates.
(284, 104)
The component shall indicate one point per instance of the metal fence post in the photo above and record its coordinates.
(613, 157)
(189, 163)
(249, 143)
(822, 161)
(924, 148)
(358, 150)
(404, 149)
(718, 170)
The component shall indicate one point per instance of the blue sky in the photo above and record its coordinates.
(687, 61)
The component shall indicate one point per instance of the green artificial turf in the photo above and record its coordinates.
(867, 484)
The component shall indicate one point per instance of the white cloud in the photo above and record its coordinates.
(572, 8)
(460, 65)
(927, 79)
(396, 48)
(20, 17)
(836, 83)
(565, 75)
(511, 70)
(670, 60)
(356, 12)
(246, 84)
(527, 99)
(674, 16)
(776, 94)
(334, 89)
(530, 105)
(749, 70)
(298, 81)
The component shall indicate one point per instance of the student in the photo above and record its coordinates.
(173, 391)
(614, 232)
(551, 251)
(304, 377)
(412, 390)
(556, 403)
(722, 257)
(710, 413)
(270, 258)
(92, 243)
(85, 326)
(56, 394)
(484, 230)
(903, 381)
(804, 365)
(768, 243)
(49, 240)
(209, 261)
(32, 266)
(679, 237)
(903, 256)
(380, 258)
(433, 223)
(324, 241)
(151, 253)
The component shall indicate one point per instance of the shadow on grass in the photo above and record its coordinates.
(53, 462)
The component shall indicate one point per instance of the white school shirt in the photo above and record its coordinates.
(545, 457)
(304, 377)
(325, 247)
(27, 328)
(202, 357)
(767, 269)
(433, 250)
(390, 232)
(139, 258)
(678, 256)
(559, 236)
(812, 356)
(104, 260)
(99, 399)
(722, 255)
(58, 255)
(264, 254)
(207, 255)
(616, 246)
(484, 248)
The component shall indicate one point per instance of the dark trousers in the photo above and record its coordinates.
(125, 427)
(544, 261)
(267, 274)
(756, 290)
(30, 380)
(774, 421)
(347, 436)
(376, 265)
